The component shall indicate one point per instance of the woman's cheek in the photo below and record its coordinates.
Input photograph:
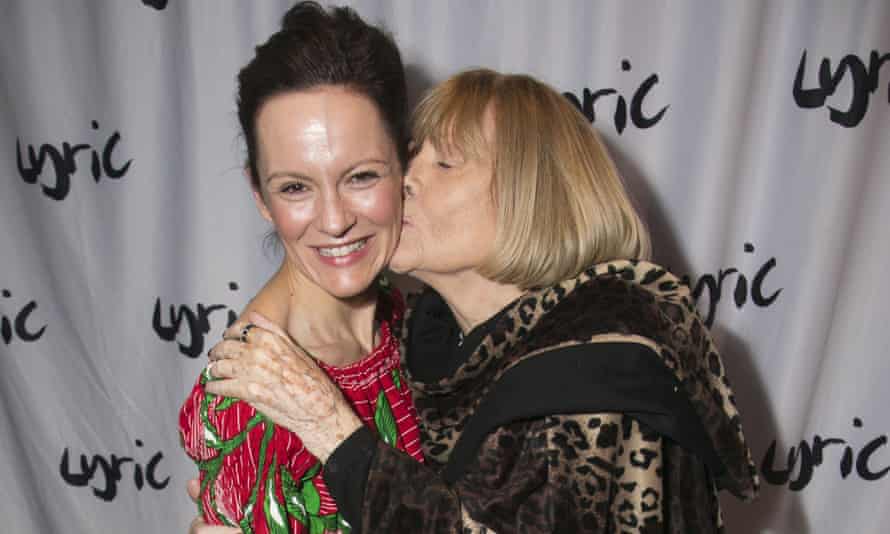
(382, 205)
(291, 218)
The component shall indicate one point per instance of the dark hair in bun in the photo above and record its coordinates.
(324, 47)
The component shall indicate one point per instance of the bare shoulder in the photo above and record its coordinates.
(271, 301)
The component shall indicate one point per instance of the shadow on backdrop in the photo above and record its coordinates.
(777, 509)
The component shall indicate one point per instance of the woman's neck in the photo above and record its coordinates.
(334, 330)
(473, 299)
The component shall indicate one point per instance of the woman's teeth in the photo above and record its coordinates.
(336, 252)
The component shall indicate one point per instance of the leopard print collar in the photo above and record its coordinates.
(625, 301)
(518, 318)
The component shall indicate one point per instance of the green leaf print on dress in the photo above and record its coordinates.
(302, 501)
(386, 423)
(275, 512)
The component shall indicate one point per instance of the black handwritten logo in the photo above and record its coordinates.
(110, 472)
(810, 455)
(865, 83)
(64, 163)
(586, 104)
(196, 321)
(157, 4)
(711, 286)
(16, 326)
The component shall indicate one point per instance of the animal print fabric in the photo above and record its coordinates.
(600, 472)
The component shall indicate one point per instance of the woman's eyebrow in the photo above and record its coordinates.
(351, 168)
(286, 174)
(366, 161)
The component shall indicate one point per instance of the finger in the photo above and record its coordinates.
(263, 322)
(294, 422)
(229, 348)
(234, 329)
(253, 334)
(237, 329)
(223, 369)
(260, 337)
(193, 487)
(220, 369)
(229, 387)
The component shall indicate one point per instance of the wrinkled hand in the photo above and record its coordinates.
(276, 377)
(198, 525)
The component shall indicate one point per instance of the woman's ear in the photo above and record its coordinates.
(258, 198)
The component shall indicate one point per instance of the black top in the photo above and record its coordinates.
(435, 347)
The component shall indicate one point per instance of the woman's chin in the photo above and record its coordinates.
(348, 291)
(349, 285)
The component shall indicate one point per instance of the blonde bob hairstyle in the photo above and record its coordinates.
(561, 206)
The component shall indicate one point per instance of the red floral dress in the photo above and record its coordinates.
(259, 477)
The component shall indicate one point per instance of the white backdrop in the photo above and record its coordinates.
(128, 232)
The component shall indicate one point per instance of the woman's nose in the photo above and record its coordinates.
(335, 218)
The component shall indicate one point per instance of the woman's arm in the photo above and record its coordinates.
(563, 473)
(260, 370)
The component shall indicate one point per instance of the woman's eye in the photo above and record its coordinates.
(293, 189)
(363, 177)
(444, 165)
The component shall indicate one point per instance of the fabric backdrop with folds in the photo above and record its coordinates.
(754, 136)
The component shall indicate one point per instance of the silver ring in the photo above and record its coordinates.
(244, 332)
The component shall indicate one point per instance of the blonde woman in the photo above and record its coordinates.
(563, 383)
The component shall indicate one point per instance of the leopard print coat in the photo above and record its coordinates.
(620, 464)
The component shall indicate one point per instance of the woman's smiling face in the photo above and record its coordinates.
(330, 183)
